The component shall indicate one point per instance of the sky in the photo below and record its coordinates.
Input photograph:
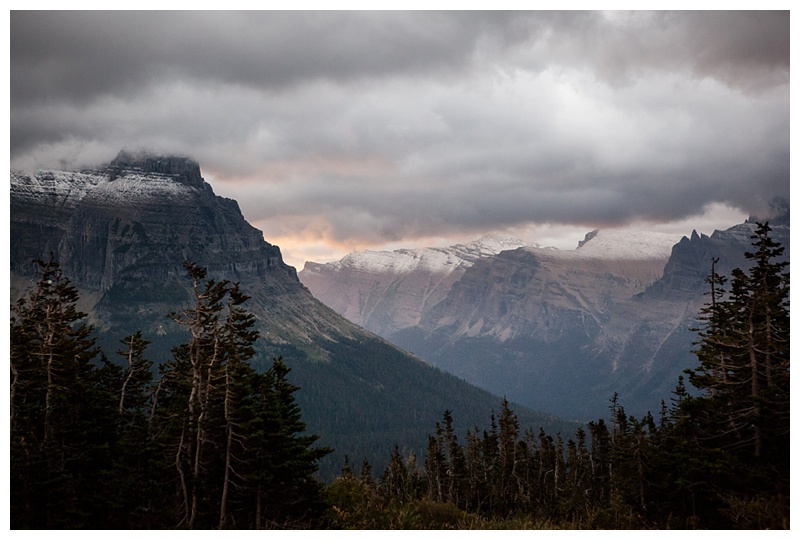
(340, 131)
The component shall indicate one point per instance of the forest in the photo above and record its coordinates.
(205, 441)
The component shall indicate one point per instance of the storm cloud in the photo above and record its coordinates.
(367, 128)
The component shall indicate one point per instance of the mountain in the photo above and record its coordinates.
(518, 322)
(649, 340)
(563, 330)
(387, 291)
(122, 233)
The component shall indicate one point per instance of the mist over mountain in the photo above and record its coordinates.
(563, 330)
(121, 233)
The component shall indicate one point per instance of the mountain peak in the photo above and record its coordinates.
(181, 168)
(495, 243)
(588, 237)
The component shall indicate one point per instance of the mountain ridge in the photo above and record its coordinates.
(566, 329)
(410, 281)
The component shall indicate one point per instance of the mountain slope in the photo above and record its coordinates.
(387, 291)
(564, 331)
(525, 322)
(121, 233)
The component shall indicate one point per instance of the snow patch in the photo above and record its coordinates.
(445, 260)
(619, 245)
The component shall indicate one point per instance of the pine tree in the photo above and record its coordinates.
(232, 437)
(59, 449)
(508, 458)
(456, 462)
(744, 372)
(744, 353)
(283, 459)
(398, 481)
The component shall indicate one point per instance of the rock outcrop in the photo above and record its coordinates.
(124, 231)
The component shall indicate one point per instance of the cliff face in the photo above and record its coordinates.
(123, 232)
(121, 223)
(545, 294)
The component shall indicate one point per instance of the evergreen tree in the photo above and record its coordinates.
(58, 441)
(283, 458)
(744, 373)
(744, 353)
(133, 489)
(396, 482)
(456, 462)
(233, 438)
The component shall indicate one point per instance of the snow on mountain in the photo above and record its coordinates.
(627, 245)
(65, 188)
(388, 291)
(631, 255)
(141, 188)
(384, 291)
(402, 261)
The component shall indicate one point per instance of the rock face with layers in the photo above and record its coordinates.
(529, 323)
(124, 231)
(548, 294)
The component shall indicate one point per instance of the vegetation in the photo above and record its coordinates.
(212, 443)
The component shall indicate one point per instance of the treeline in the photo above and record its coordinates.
(99, 444)
(719, 459)
(211, 443)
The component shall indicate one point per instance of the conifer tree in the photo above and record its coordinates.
(396, 481)
(233, 438)
(283, 458)
(456, 461)
(744, 372)
(58, 451)
(744, 352)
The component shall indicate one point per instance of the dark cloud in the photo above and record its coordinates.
(81, 55)
(380, 126)
(745, 49)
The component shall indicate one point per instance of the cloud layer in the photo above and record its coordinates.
(374, 127)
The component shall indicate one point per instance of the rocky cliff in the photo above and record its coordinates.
(549, 294)
(123, 232)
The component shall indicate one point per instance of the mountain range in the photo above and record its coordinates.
(122, 233)
(387, 291)
(558, 330)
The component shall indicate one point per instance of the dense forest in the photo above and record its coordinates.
(206, 441)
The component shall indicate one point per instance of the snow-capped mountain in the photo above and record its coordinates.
(559, 330)
(121, 234)
(386, 291)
